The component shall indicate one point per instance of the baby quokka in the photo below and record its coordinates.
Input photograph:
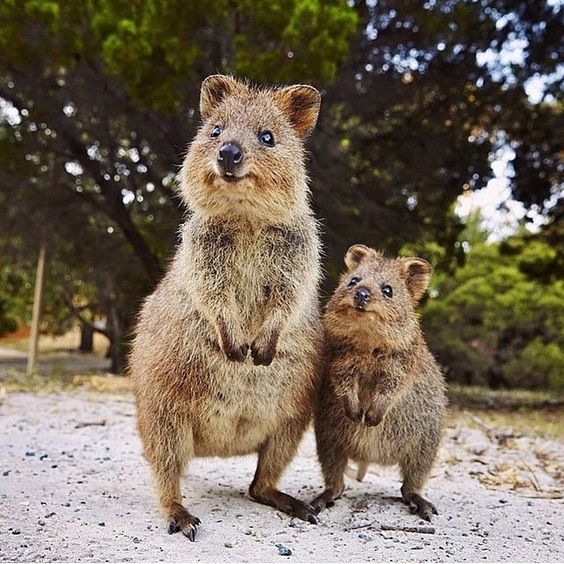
(382, 398)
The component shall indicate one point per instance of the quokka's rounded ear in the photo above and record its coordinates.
(417, 274)
(355, 255)
(214, 89)
(300, 103)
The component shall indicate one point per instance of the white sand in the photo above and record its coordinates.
(86, 494)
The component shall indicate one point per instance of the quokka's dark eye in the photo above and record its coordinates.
(353, 281)
(387, 291)
(266, 138)
(216, 131)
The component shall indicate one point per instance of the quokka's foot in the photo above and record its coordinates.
(181, 520)
(420, 506)
(323, 500)
(288, 504)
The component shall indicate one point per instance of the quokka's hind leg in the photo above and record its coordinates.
(168, 446)
(333, 460)
(274, 456)
(415, 471)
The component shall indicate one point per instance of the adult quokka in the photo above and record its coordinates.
(226, 353)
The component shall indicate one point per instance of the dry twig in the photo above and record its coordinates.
(82, 424)
(424, 529)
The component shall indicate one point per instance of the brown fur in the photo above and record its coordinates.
(225, 358)
(382, 398)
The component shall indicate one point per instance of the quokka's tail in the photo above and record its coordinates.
(361, 468)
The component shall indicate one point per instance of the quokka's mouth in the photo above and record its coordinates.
(352, 308)
(359, 309)
(230, 178)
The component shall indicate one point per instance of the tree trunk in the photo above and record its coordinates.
(36, 316)
(496, 379)
(468, 378)
(86, 338)
(115, 350)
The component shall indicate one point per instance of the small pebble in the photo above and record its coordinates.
(16, 532)
(283, 550)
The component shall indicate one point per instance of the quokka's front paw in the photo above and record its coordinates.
(237, 353)
(375, 414)
(263, 349)
(352, 408)
(233, 347)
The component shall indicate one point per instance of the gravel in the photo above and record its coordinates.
(73, 489)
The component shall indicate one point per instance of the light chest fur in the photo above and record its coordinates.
(233, 406)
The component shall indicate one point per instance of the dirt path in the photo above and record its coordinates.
(75, 492)
(13, 360)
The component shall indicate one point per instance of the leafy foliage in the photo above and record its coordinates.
(99, 98)
(499, 319)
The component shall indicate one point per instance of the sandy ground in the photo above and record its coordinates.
(76, 492)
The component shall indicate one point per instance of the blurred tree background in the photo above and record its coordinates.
(98, 100)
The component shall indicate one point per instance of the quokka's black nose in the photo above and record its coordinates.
(361, 296)
(230, 155)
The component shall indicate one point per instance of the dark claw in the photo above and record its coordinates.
(262, 361)
(316, 508)
(238, 355)
(190, 533)
(182, 521)
(173, 527)
(424, 509)
(322, 501)
(305, 512)
(425, 515)
(262, 358)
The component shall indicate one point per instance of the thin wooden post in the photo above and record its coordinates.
(37, 306)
